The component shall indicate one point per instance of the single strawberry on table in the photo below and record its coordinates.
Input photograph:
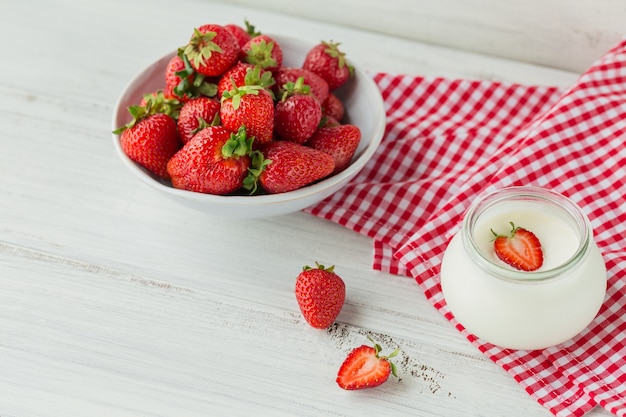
(320, 294)
(251, 106)
(287, 166)
(211, 50)
(329, 62)
(297, 113)
(195, 115)
(365, 367)
(214, 161)
(520, 249)
(150, 139)
(340, 141)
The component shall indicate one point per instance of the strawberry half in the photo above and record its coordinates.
(521, 249)
(366, 368)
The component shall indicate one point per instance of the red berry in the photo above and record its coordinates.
(212, 50)
(365, 368)
(521, 249)
(340, 141)
(327, 61)
(195, 115)
(289, 166)
(320, 294)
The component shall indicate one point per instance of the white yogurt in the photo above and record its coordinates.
(517, 309)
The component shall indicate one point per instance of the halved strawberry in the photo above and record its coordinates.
(366, 368)
(521, 249)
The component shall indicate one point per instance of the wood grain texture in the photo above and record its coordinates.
(563, 34)
(117, 302)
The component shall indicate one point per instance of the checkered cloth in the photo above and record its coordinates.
(449, 142)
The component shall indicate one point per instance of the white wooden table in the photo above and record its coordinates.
(117, 302)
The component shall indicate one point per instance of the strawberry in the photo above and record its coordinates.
(521, 249)
(327, 121)
(326, 60)
(333, 107)
(297, 114)
(251, 106)
(318, 86)
(287, 166)
(214, 161)
(242, 74)
(366, 368)
(195, 115)
(150, 139)
(264, 51)
(183, 82)
(341, 142)
(320, 293)
(243, 35)
(212, 50)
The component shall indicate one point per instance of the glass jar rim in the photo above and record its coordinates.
(525, 193)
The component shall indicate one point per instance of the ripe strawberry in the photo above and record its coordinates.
(297, 114)
(341, 142)
(212, 50)
(183, 82)
(195, 115)
(366, 368)
(328, 121)
(333, 107)
(214, 161)
(243, 35)
(320, 293)
(251, 106)
(326, 60)
(288, 166)
(242, 74)
(521, 249)
(264, 51)
(150, 139)
(319, 87)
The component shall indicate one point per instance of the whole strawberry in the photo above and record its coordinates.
(365, 367)
(251, 106)
(341, 142)
(320, 294)
(195, 115)
(263, 50)
(329, 62)
(297, 114)
(183, 82)
(150, 139)
(318, 86)
(243, 35)
(242, 74)
(214, 161)
(333, 107)
(212, 50)
(289, 166)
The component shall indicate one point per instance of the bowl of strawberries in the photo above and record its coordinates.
(243, 124)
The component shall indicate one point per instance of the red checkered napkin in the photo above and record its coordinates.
(450, 141)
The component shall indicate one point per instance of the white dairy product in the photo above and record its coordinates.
(517, 309)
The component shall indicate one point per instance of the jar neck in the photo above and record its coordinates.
(530, 197)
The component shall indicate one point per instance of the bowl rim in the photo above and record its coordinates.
(263, 199)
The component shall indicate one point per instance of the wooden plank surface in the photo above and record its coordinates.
(117, 302)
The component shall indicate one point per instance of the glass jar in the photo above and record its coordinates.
(517, 309)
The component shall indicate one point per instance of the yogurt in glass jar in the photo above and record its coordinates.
(518, 309)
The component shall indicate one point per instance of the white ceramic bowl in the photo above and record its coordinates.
(364, 108)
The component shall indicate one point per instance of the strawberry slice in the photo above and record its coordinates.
(521, 249)
(366, 368)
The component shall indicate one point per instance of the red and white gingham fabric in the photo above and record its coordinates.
(447, 143)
